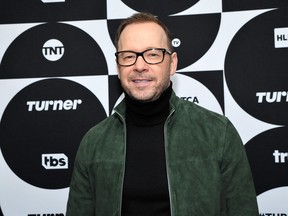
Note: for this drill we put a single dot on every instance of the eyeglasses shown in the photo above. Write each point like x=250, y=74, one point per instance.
x=151, y=56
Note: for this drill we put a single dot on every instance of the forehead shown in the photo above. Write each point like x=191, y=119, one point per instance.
x=139, y=36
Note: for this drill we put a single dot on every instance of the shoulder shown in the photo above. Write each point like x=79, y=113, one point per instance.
x=193, y=117
x=102, y=128
x=196, y=113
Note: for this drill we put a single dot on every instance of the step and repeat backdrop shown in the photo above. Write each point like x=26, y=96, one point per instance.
x=58, y=78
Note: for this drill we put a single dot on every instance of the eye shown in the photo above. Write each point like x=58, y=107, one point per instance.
x=128, y=56
x=153, y=54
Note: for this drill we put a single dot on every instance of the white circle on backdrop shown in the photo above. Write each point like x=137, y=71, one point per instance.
x=273, y=201
x=53, y=50
x=187, y=87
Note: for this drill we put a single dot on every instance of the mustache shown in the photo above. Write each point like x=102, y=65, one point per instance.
x=141, y=76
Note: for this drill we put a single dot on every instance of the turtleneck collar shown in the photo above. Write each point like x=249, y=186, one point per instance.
x=148, y=113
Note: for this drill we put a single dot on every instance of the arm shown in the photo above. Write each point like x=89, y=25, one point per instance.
x=237, y=179
x=80, y=201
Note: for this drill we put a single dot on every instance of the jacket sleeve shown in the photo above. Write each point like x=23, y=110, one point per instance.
x=238, y=184
x=80, y=200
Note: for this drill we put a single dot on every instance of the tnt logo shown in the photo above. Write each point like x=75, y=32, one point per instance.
x=53, y=50
x=55, y=161
x=281, y=37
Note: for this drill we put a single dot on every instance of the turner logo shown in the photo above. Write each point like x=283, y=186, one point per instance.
x=55, y=161
x=53, y=50
x=280, y=157
x=281, y=37
x=50, y=124
x=272, y=97
x=53, y=105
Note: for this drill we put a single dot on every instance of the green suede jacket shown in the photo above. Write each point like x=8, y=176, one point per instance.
x=208, y=171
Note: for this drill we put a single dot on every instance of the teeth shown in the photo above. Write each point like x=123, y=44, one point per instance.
x=140, y=81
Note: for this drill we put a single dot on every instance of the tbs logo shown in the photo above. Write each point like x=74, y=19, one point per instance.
x=55, y=161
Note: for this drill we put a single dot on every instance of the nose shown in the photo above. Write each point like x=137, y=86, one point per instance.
x=140, y=65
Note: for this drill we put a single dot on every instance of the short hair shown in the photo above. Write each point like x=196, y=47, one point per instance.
x=143, y=17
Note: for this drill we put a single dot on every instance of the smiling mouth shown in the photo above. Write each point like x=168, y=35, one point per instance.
x=141, y=81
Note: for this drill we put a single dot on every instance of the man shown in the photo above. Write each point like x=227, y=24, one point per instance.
x=158, y=154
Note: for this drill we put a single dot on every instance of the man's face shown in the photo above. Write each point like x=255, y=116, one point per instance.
x=142, y=81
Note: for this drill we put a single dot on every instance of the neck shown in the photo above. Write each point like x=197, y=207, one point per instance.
x=148, y=113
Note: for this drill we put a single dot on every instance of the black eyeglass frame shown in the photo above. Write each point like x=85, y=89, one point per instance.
x=141, y=54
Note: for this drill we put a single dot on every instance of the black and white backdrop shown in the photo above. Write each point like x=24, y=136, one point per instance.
x=58, y=78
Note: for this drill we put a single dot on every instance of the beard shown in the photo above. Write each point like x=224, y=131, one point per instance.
x=146, y=93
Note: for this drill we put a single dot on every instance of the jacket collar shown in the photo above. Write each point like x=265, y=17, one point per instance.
x=120, y=109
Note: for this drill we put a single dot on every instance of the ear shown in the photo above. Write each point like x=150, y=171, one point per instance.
x=118, y=69
x=173, y=63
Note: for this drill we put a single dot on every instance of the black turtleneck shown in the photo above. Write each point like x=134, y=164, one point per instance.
x=145, y=190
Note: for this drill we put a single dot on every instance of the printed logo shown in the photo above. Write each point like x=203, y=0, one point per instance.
x=52, y=1
x=176, y=42
x=268, y=157
x=73, y=59
x=191, y=99
x=53, y=105
x=53, y=214
x=272, y=97
x=190, y=89
x=280, y=157
x=281, y=37
x=47, y=133
x=207, y=26
x=53, y=50
x=273, y=214
x=273, y=202
x=192, y=45
x=55, y=161
x=258, y=82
